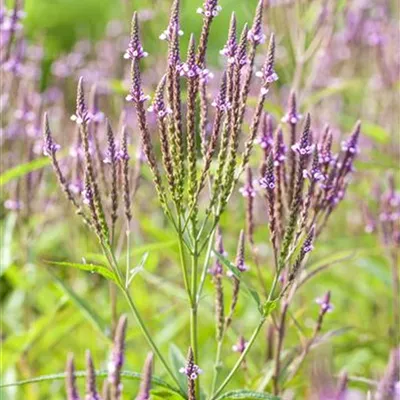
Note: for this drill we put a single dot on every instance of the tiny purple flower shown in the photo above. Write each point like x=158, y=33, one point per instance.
x=248, y=190
x=268, y=181
x=192, y=371
x=135, y=50
x=167, y=34
x=50, y=147
x=210, y=9
x=137, y=98
x=13, y=205
x=240, y=346
x=256, y=36
x=291, y=118
x=87, y=195
x=325, y=303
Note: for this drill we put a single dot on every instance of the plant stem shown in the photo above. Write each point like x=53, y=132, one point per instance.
x=147, y=335
x=205, y=267
x=183, y=266
x=193, y=315
x=281, y=335
x=120, y=282
x=216, y=366
x=240, y=360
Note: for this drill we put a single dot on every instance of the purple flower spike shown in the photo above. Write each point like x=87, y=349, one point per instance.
x=145, y=385
x=72, y=391
x=82, y=115
x=280, y=151
x=210, y=9
x=308, y=243
x=241, y=58
x=91, y=391
x=351, y=146
x=221, y=103
x=117, y=358
x=325, y=303
x=49, y=147
x=268, y=74
x=304, y=147
x=239, y=262
x=190, y=69
x=173, y=23
x=135, y=48
x=217, y=269
x=136, y=94
x=158, y=107
x=191, y=370
x=266, y=139
x=268, y=181
x=240, y=346
x=229, y=50
x=315, y=174
x=292, y=116
x=255, y=34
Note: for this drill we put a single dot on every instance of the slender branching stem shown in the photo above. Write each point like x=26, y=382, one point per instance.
x=240, y=359
x=125, y=291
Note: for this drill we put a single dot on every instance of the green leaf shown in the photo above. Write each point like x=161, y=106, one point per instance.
x=375, y=132
x=23, y=169
x=164, y=394
x=178, y=361
x=82, y=305
x=247, y=395
x=318, y=96
x=235, y=271
x=98, y=269
x=128, y=375
x=268, y=307
x=139, y=268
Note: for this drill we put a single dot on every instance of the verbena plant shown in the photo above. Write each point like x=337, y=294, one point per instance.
x=194, y=178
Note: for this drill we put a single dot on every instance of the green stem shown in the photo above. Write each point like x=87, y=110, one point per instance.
x=205, y=267
x=184, y=267
x=120, y=282
x=193, y=316
x=240, y=360
x=273, y=287
x=216, y=366
x=147, y=335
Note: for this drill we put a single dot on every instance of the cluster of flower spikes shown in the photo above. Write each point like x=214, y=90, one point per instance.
x=112, y=387
x=185, y=176
x=303, y=183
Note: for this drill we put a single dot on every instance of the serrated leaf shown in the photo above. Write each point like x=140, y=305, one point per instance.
x=93, y=268
x=247, y=395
